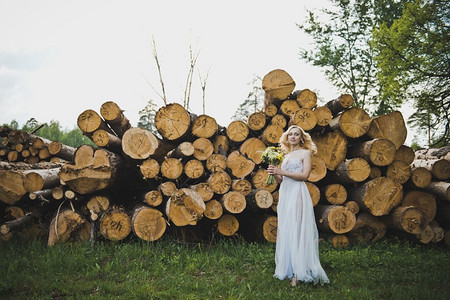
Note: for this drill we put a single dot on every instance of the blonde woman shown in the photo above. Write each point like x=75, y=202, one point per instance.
x=297, y=246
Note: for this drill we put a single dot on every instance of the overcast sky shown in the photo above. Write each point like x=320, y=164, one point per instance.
x=59, y=58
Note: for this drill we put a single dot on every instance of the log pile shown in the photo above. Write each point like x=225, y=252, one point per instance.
x=201, y=178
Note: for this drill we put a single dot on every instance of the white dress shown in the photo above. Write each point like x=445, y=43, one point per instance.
x=297, y=246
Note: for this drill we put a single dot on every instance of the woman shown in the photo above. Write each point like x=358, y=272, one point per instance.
x=297, y=246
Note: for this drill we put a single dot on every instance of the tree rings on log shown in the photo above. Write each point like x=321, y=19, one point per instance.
x=203, y=148
x=323, y=116
x=278, y=84
x=314, y=191
x=423, y=200
x=305, y=118
x=331, y=148
x=139, y=143
x=194, y=169
x=242, y=186
x=334, y=218
x=257, y=121
x=339, y=104
x=279, y=120
x=148, y=223
x=233, y=202
x=306, y=98
x=391, y=127
x=149, y=168
x=440, y=188
x=252, y=148
x=216, y=163
x=352, y=171
x=171, y=168
x=353, y=206
x=89, y=121
x=167, y=188
x=407, y=218
x=220, y=182
x=239, y=165
x=107, y=140
x=318, y=169
x=36, y=180
x=213, y=210
x=204, y=190
x=68, y=226
x=221, y=144
x=227, y=224
x=405, y=154
x=204, y=126
x=115, y=118
x=153, y=198
x=183, y=150
x=259, y=180
x=185, y=207
x=334, y=193
x=115, y=224
x=272, y=134
x=237, y=131
x=270, y=110
x=368, y=228
x=379, y=152
x=399, y=171
x=172, y=121
x=439, y=168
x=260, y=199
x=420, y=177
x=353, y=123
x=289, y=107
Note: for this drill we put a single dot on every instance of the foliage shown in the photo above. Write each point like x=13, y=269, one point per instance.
x=341, y=38
x=414, y=63
x=254, y=101
x=226, y=268
x=147, y=117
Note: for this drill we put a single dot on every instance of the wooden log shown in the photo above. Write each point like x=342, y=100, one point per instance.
x=279, y=120
x=13, y=156
x=439, y=188
x=107, y=140
x=139, y=143
x=272, y=134
x=278, y=84
x=44, y=154
x=289, y=107
x=422, y=200
x=306, y=98
x=58, y=149
x=241, y=185
x=183, y=150
x=227, y=225
x=318, y=169
x=252, y=148
x=391, y=127
x=148, y=223
x=256, y=121
x=331, y=148
x=334, y=218
x=220, y=182
x=203, y=148
x=378, y=196
x=447, y=238
x=426, y=236
x=194, y=169
x=173, y=122
x=353, y=122
x=216, y=163
x=406, y=218
x=433, y=153
x=399, y=171
x=323, y=116
x=353, y=206
x=185, y=207
x=439, y=168
x=334, y=193
x=420, y=177
x=41, y=195
x=115, y=118
x=17, y=224
x=221, y=144
x=96, y=205
x=259, y=199
x=115, y=224
x=237, y=131
x=233, y=202
x=67, y=226
x=405, y=154
x=89, y=121
x=11, y=186
x=204, y=126
x=239, y=165
x=259, y=227
x=368, y=228
x=437, y=230
x=92, y=171
x=305, y=118
x=259, y=180
x=153, y=198
x=276, y=197
x=379, y=152
x=374, y=172
x=314, y=192
x=36, y=180
x=213, y=210
x=339, y=104
x=58, y=192
x=149, y=168
x=204, y=190
x=167, y=188
x=270, y=110
x=351, y=171
x=171, y=168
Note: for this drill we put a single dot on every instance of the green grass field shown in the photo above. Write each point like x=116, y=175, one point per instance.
x=226, y=269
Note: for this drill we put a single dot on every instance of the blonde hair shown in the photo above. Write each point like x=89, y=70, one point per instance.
x=305, y=140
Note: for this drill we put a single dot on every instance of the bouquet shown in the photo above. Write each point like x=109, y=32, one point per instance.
x=272, y=156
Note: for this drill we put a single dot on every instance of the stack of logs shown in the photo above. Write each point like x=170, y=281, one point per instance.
x=201, y=178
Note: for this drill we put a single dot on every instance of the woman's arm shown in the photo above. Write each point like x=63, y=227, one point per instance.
x=302, y=176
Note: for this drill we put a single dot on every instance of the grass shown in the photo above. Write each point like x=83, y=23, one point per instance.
x=227, y=269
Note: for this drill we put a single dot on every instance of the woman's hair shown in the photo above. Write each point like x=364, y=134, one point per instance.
x=305, y=140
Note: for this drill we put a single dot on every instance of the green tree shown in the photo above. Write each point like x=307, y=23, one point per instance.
x=147, y=117
x=254, y=101
x=413, y=56
x=341, y=38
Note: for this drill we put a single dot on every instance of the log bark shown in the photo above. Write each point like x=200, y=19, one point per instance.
x=378, y=196
x=334, y=218
x=433, y=153
x=331, y=148
x=239, y=165
x=339, y=104
x=36, y=180
x=17, y=224
x=379, y=152
x=183, y=150
x=305, y=118
x=353, y=122
x=185, y=207
x=107, y=140
x=115, y=118
x=278, y=84
x=115, y=224
x=391, y=127
x=60, y=150
x=204, y=126
x=148, y=223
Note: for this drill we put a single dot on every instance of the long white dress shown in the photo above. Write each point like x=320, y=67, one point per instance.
x=297, y=245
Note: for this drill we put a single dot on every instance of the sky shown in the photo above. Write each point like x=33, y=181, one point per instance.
x=59, y=58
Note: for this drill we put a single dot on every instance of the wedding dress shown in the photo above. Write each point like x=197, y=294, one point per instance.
x=297, y=245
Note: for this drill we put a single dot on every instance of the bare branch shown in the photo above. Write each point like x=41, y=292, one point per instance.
x=203, y=85
x=155, y=56
x=187, y=92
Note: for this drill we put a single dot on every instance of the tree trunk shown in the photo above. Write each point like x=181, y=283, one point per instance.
x=331, y=148
x=194, y=169
x=204, y=127
x=17, y=224
x=115, y=118
x=148, y=223
x=153, y=198
x=204, y=190
x=237, y=131
x=220, y=182
x=339, y=104
x=89, y=121
x=183, y=150
x=278, y=84
x=167, y=188
x=260, y=199
x=242, y=186
x=318, y=169
x=60, y=150
x=422, y=200
x=352, y=123
x=270, y=110
x=203, y=148
x=271, y=135
x=107, y=140
x=279, y=120
x=405, y=154
x=433, y=153
x=138, y=143
x=289, y=107
x=216, y=163
x=221, y=144
x=378, y=196
x=353, y=206
x=259, y=180
x=314, y=192
x=440, y=189
x=115, y=224
x=391, y=127
x=36, y=180
x=334, y=218
x=323, y=116
x=257, y=121
x=379, y=152
x=149, y=168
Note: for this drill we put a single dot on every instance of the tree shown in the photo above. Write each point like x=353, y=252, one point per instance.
x=147, y=117
x=342, y=47
x=413, y=58
x=254, y=101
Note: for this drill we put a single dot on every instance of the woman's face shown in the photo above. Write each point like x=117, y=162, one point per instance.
x=294, y=136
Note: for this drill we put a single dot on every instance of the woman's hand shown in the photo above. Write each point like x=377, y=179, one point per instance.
x=273, y=170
